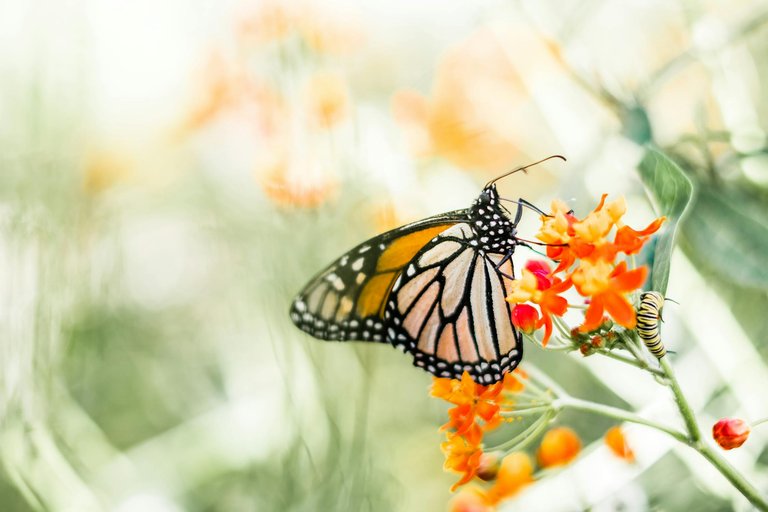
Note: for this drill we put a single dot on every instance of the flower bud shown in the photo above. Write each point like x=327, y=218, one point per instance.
x=515, y=472
x=730, y=433
x=489, y=465
x=597, y=341
x=616, y=441
x=524, y=317
x=559, y=446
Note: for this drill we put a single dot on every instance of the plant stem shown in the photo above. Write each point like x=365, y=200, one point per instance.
x=696, y=442
x=634, y=362
x=682, y=403
x=733, y=476
x=619, y=414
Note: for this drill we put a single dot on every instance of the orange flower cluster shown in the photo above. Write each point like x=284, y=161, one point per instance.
x=586, y=251
x=559, y=446
x=476, y=411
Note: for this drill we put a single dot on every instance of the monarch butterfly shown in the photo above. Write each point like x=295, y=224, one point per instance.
x=648, y=315
x=434, y=288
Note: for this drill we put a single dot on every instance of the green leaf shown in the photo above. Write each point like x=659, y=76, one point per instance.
x=727, y=233
x=672, y=191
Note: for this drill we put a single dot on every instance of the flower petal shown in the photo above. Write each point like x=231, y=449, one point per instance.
x=620, y=309
x=593, y=317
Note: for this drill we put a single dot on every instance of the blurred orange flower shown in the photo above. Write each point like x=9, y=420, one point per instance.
x=322, y=31
x=474, y=114
x=616, y=441
x=515, y=472
x=327, y=97
x=470, y=499
x=559, y=446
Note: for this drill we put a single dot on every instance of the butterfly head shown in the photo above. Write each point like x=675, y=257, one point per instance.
x=490, y=222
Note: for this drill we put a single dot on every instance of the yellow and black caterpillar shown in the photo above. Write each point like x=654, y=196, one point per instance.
x=648, y=316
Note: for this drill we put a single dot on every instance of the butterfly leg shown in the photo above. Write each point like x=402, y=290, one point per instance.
x=507, y=257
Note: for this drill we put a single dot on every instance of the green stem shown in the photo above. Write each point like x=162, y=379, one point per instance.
x=682, y=402
x=695, y=441
x=634, y=362
x=526, y=411
x=619, y=414
x=526, y=436
x=733, y=476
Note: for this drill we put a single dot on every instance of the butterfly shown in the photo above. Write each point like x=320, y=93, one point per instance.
x=435, y=288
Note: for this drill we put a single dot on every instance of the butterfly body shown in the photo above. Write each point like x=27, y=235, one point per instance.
x=434, y=288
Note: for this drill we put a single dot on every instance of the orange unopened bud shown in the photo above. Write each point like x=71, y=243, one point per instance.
x=524, y=317
x=616, y=441
x=559, y=446
x=730, y=433
x=515, y=472
x=597, y=341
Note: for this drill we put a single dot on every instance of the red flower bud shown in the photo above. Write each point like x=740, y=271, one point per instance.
x=730, y=433
x=597, y=341
x=524, y=317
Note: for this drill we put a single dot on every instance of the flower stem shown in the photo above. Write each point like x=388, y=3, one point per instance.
x=634, y=362
x=526, y=436
x=733, y=476
x=619, y=414
x=682, y=402
x=697, y=443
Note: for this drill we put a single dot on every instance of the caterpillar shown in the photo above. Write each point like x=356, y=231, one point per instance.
x=648, y=316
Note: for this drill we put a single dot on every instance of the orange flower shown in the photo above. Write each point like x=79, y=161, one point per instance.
x=630, y=241
x=471, y=400
x=559, y=446
x=328, y=98
x=616, y=441
x=607, y=287
x=515, y=472
x=470, y=500
x=730, y=433
x=557, y=230
x=463, y=453
x=477, y=94
x=589, y=238
x=536, y=287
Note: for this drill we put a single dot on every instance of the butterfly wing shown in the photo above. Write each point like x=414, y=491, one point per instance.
x=346, y=300
x=447, y=308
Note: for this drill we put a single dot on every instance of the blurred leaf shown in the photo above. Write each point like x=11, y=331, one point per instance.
x=635, y=124
x=729, y=232
x=672, y=190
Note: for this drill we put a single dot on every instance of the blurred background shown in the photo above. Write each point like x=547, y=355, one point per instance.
x=171, y=174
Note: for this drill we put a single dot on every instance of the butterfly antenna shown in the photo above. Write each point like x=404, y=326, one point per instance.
x=540, y=243
x=524, y=168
